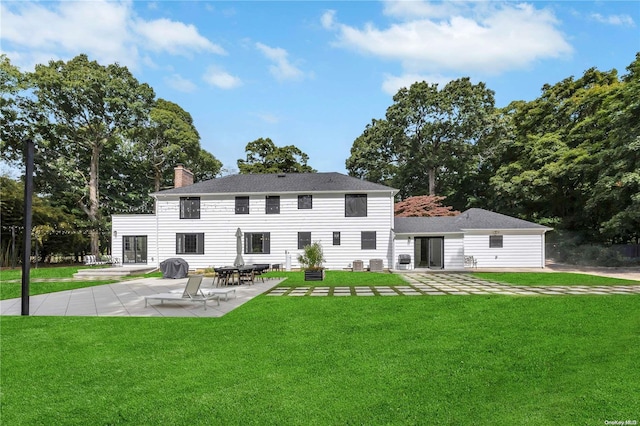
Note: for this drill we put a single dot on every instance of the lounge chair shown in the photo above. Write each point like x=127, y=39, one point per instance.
x=191, y=293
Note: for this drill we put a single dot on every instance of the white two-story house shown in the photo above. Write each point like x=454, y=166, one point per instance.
x=278, y=214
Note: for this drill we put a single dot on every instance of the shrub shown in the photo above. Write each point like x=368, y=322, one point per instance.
x=312, y=257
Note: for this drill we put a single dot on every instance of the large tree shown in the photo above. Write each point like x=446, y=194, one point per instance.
x=263, y=156
x=84, y=108
x=427, y=140
x=373, y=157
x=574, y=158
x=169, y=138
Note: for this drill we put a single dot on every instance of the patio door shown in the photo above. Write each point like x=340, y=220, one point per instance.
x=429, y=252
x=134, y=249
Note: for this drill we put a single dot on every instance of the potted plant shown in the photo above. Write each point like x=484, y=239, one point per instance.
x=311, y=261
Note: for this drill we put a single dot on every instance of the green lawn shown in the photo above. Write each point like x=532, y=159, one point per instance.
x=339, y=278
x=14, y=289
x=42, y=273
x=550, y=278
x=277, y=360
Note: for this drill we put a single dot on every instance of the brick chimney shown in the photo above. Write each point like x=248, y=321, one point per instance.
x=183, y=177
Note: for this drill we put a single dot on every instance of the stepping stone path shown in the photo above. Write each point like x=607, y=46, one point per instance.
x=438, y=284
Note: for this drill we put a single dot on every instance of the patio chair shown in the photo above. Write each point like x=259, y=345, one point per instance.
x=223, y=276
x=259, y=269
x=470, y=261
x=245, y=275
x=191, y=293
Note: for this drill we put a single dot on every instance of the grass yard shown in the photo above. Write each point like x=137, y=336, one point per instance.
x=277, y=360
x=11, y=284
x=339, y=278
x=13, y=290
x=551, y=279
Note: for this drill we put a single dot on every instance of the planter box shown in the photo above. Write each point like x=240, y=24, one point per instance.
x=314, y=275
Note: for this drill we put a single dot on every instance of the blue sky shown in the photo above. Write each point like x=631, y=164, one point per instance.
x=313, y=74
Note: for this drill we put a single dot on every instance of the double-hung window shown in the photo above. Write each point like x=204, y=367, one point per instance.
x=305, y=202
x=257, y=243
x=368, y=240
x=242, y=205
x=272, y=204
x=189, y=207
x=190, y=243
x=355, y=205
x=304, y=239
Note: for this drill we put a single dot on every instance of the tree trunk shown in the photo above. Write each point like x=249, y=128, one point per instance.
x=157, y=178
x=432, y=180
x=94, y=198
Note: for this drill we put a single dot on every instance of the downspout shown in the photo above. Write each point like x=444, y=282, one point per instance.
x=157, y=233
x=543, y=249
x=391, y=262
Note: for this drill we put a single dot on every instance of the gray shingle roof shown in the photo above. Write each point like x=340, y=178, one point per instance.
x=278, y=183
x=470, y=219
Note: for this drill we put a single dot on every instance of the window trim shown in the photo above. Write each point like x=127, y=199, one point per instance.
x=496, y=241
x=248, y=243
x=181, y=245
x=193, y=214
x=274, y=206
x=303, y=241
x=364, y=240
x=349, y=212
x=305, y=202
x=240, y=208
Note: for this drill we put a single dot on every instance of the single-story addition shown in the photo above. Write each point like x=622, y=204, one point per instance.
x=278, y=214
x=488, y=239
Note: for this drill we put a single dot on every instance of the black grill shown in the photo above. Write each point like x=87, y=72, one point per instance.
x=404, y=259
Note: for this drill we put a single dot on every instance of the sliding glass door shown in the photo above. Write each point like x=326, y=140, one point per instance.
x=429, y=252
x=134, y=249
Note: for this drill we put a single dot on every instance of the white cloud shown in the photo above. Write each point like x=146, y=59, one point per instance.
x=221, y=79
x=474, y=37
x=98, y=27
x=108, y=31
x=393, y=83
x=174, y=37
x=180, y=83
x=281, y=69
x=328, y=19
x=622, y=20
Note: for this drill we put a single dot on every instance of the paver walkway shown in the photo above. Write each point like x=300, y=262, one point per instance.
x=435, y=284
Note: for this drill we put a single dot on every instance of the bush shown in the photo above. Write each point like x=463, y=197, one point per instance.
x=312, y=257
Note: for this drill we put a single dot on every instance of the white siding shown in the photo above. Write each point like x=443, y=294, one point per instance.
x=520, y=249
x=454, y=252
x=219, y=223
x=134, y=225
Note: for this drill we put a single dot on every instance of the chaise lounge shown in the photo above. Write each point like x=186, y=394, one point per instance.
x=192, y=293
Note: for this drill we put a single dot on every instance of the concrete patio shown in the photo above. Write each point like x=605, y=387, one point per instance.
x=127, y=298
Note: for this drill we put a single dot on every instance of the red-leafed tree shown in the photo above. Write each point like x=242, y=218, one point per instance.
x=423, y=205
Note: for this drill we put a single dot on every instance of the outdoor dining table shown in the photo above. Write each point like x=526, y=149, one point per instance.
x=233, y=275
